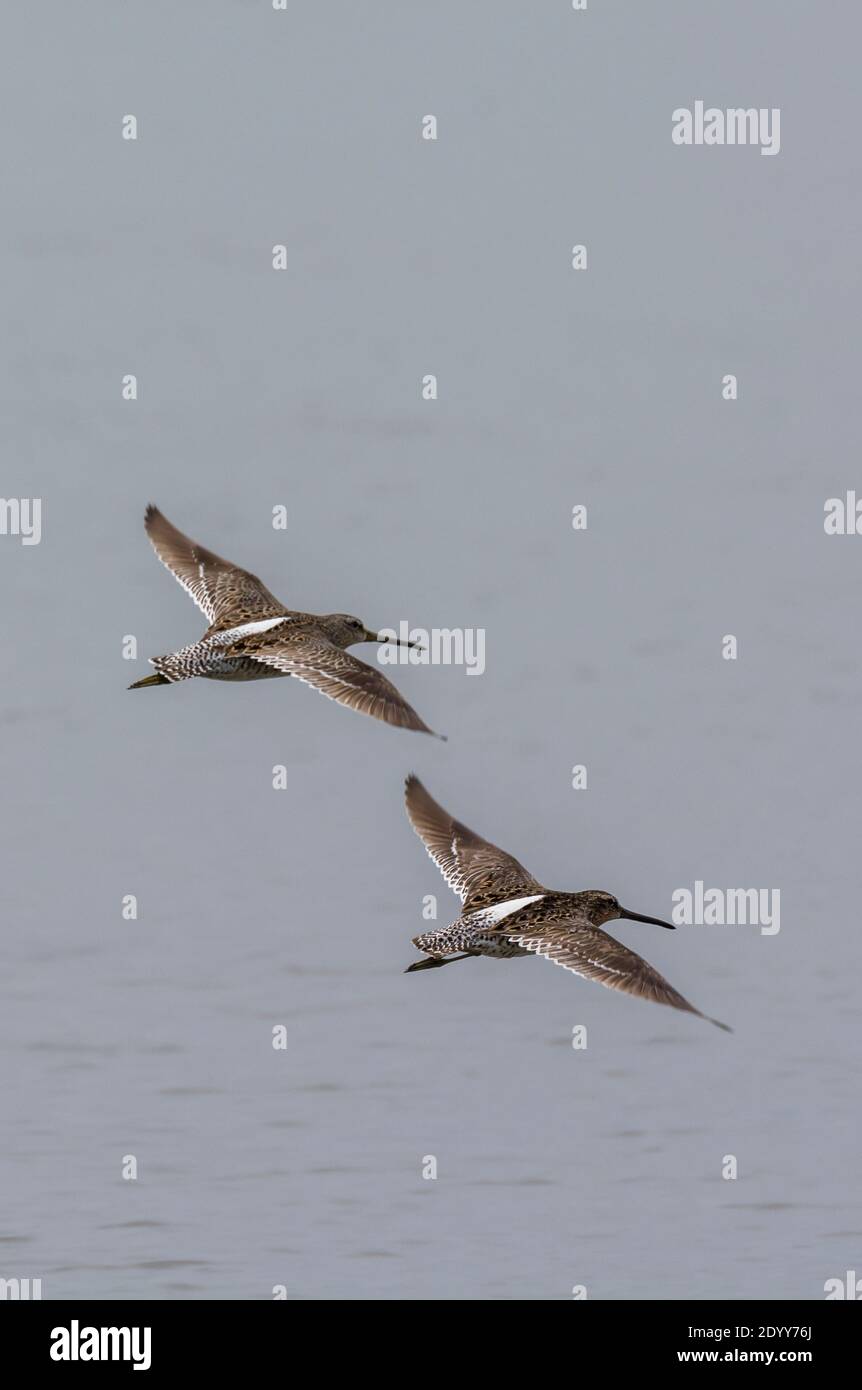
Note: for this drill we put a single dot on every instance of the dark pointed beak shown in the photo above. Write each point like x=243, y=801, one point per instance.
x=395, y=641
x=639, y=917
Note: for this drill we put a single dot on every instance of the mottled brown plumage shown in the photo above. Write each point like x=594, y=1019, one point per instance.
x=509, y=913
x=226, y=595
x=253, y=637
x=476, y=870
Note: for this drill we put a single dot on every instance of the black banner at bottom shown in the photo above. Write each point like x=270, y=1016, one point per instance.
x=216, y=1339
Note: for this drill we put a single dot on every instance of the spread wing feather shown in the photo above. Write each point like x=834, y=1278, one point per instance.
x=338, y=675
x=590, y=952
x=225, y=594
x=476, y=870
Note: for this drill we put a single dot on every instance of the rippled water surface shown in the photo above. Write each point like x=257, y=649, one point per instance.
x=257, y=908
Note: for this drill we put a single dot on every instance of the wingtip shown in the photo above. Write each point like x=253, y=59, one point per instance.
x=411, y=784
x=421, y=727
x=725, y=1027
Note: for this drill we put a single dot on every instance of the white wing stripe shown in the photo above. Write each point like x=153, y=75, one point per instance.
x=498, y=912
x=244, y=630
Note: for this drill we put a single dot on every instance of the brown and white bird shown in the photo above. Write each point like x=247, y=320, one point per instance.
x=509, y=913
x=251, y=636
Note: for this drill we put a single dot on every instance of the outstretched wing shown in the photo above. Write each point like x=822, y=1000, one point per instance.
x=226, y=595
x=340, y=676
x=476, y=870
x=588, y=951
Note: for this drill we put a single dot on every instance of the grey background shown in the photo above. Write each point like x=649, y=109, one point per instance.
x=256, y=907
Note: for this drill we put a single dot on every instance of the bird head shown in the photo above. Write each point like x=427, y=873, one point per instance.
x=601, y=907
x=346, y=631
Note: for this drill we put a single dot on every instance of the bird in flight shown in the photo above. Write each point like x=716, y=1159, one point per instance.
x=251, y=636
x=507, y=912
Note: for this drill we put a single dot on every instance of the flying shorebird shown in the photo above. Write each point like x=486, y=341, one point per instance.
x=508, y=913
x=252, y=636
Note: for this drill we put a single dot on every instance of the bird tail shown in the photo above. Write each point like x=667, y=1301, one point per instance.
x=150, y=680
x=157, y=679
x=432, y=962
x=176, y=666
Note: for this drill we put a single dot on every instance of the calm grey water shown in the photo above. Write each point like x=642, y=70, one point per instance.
x=257, y=907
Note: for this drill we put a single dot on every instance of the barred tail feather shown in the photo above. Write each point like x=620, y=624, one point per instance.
x=157, y=679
